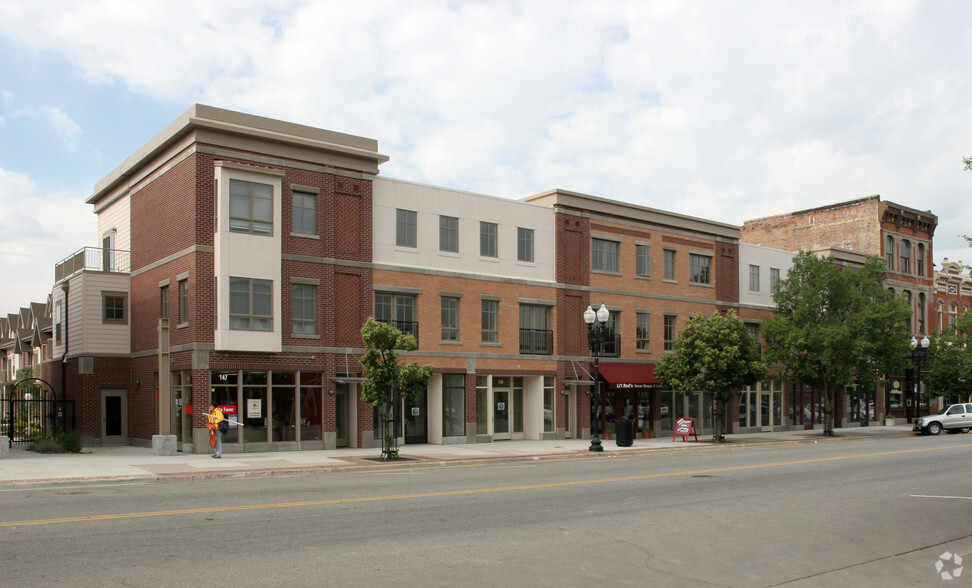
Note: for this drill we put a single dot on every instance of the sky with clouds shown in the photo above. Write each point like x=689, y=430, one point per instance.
x=726, y=110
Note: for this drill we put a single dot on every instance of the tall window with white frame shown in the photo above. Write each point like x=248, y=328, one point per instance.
x=920, y=260
x=448, y=234
x=406, y=228
x=490, y=320
x=642, y=332
x=753, y=278
x=251, y=304
x=889, y=253
x=488, y=239
x=305, y=213
x=669, y=332
x=642, y=260
x=450, y=318
x=774, y=279
x=524, y=244
x=305, y=309
x=604, y=255
x=700, y=267
x=905, y=266
x=164, y=301
x=669, y=264
x=251, y=207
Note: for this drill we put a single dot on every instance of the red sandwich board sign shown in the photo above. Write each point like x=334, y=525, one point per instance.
x=684, y=428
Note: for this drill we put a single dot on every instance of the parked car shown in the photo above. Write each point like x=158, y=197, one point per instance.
x=955, y=418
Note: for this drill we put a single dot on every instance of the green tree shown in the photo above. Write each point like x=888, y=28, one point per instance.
x=948, y=370
x=390, y=380
x=717, y=356
x=836, y=326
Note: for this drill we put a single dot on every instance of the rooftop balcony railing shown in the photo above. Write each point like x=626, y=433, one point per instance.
x=93, y=259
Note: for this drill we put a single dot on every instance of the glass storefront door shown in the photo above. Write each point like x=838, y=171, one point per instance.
x=416, y=420
x=501, y=414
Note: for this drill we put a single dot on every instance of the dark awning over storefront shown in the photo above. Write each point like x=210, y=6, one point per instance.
x=630, y=376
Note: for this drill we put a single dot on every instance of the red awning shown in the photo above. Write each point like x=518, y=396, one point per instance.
x=629, y=376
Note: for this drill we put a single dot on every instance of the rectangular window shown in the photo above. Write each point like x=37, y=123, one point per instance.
x=482, y=404
x=183, y=302
x=754, y=278
x=774, y=279
x=453, y=405
x=305, y=213
x=604, y=255
x=398, y=311
x=251, y=304
x=670, y=332
x=490, y=321
x=642, y=261
x=450, y=318
x=406, y=227
x=164, y=301
x=305, y=309
x=753, y=330
x=642, y=332
x=524, y=244
x=449, y=234
x=488, y=239
x=251, y=207
x=536, y=336
x=113, y=307
x=58, y=321
x=700, y=269
x=670, y=264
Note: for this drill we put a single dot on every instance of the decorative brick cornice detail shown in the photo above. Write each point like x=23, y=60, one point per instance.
x=621, y=231
x=346, y=186
x=680, y=241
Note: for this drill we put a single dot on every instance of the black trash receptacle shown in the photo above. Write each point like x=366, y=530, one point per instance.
x=624, y=431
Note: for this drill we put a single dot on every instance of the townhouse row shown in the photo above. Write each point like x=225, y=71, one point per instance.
x=239, y=257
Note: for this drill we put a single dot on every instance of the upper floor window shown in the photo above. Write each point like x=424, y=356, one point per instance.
x=642, y=261
x=642, y=332
x=889, y=253
x=700, y=266
x=397, y=310
x=449, y=234
x=752, y=329
x=58, y=318
x=113, y=305
x=251, y=207
x=488, y=239
x=524, y=244
x=305, y=213
x=183, y=302
x=920, y=260
x=164, y=301
x=490, y=313
x=450, y=318
x=536, y=335
x=604, y=255
x=670, y=264
x=754, y=278
x=251, y=304
x=669, y=332
x=920, y=315
x=406, y=227
x=305, y=309
x=905, y=266
x=952, y=313
x=774, y=279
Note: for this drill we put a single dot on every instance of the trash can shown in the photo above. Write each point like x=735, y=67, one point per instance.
x=624, y=431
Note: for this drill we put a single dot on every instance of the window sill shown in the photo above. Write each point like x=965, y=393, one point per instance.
x=450, y=342
x=305, y=336
x=305, y=236
x=491, y=344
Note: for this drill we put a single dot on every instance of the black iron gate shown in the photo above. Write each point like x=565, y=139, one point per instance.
x=33, y=411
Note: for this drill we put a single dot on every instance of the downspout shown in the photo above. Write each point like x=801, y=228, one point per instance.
x=64, y=288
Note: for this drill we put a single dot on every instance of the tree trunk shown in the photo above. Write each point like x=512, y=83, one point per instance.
x=828, y=412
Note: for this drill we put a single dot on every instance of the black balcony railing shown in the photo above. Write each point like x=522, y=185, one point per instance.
x=611, y=346
x=410, y=327
x=536, y=342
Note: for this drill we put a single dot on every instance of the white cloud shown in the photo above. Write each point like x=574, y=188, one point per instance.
x=38, y=231
x=725, y=110
x=65, y=128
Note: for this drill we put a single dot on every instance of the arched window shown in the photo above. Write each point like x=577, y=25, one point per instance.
x=940, y=310
x=905, y=265
x=920, y=260
x=952, y=313
x=889, y=253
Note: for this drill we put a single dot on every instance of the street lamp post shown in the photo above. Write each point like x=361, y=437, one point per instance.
x=919, y=352
x=596, y=329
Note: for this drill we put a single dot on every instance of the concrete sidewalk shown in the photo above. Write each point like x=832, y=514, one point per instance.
x=21, y=468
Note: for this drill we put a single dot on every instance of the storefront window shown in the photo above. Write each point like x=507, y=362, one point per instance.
x=548, y=404
x=223, y=393
x=311, y=407
x=517, y=405
x=482, y=404
x=254, y=408
x=283, y=409
x=453, y=405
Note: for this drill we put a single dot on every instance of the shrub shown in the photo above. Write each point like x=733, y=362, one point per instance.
x=69, y=442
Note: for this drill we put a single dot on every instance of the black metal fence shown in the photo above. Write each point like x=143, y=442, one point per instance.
x=32, y=411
